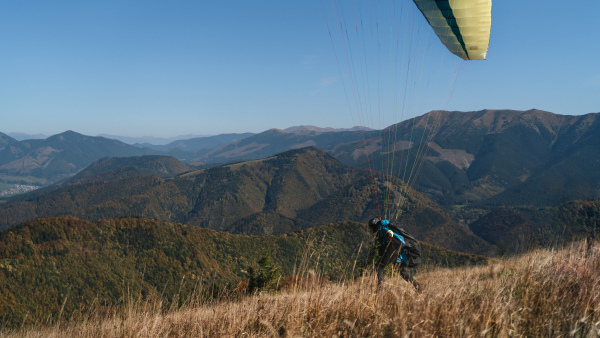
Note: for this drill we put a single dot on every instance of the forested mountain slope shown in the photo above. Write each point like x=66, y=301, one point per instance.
x=490, y=157
x=288, y=192
x=60, y=155
x=69, y=266
x=487, y=157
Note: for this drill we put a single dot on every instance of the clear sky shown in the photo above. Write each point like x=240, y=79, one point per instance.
x=167, y=68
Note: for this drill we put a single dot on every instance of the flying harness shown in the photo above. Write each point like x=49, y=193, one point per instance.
x=411, y=250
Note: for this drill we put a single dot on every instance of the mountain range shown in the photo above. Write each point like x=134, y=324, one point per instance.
x=295, y=190
x=49, y=160
x=115, y=218
x=58, y=156
x=470, y=165
x=493, y=157
x=488, y=157
x=195, y=145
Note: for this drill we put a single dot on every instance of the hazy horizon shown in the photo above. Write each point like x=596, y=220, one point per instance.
x=207, y=68
x=146, y=138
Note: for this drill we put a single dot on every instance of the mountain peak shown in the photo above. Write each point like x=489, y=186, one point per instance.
x=68, y=135
x=306, y=129
x=275, y=131
x=6, y=140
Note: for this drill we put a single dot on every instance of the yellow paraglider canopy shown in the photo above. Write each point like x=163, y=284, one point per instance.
x=463, y=26
x=389, y=73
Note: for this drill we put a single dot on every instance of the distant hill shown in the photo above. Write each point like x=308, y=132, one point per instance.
x=570, y=170
x=294, y=190
x=487, y=158
x=60, y=155
x=142, y=141
x=192, y=146
x=472, y=163
x=25, y=136
x=468, y=157
x=6, y=140
x=317, y=130
x=276, y=141
x=65, y=265
x=113, y=168
x=51, y=161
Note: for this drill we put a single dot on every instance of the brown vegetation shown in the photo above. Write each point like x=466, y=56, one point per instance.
x=543, y=293
x=67, y=265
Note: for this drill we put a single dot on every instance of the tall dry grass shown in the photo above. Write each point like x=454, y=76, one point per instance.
x=543, y=293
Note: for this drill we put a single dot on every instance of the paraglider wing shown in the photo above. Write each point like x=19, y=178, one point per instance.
x=463, y=26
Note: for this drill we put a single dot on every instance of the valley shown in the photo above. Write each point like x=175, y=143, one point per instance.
x=112, y=217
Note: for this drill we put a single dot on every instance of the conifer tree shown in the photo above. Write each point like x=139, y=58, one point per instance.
x=265, y=277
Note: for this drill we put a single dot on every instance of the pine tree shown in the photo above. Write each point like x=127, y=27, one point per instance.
x=266, y=277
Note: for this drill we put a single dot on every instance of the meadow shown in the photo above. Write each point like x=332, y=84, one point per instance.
x=546, y=292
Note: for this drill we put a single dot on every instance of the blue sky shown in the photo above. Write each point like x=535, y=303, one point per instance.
x=167, y=68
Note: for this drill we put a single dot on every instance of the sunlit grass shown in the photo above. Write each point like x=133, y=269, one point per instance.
x=542, y=293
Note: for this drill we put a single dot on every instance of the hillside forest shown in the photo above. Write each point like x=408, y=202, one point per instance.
x=98, y=223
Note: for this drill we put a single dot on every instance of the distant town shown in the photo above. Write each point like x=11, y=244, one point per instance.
x=18, y=189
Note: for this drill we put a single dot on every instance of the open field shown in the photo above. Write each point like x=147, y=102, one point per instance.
x=542, y=293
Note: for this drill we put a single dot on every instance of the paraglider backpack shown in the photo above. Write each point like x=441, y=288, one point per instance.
x=411, y=246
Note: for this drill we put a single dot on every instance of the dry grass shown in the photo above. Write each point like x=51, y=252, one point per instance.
x=543, y=293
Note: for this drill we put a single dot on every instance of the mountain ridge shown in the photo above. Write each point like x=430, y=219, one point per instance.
x=474, y=133
x=489, y=150
x=476, y=162
x=292, y=191
x=60, y=155
x=308, y=129
x=6, y=140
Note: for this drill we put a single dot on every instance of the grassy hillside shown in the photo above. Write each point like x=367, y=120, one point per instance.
x=546, y=293
x=66, y=265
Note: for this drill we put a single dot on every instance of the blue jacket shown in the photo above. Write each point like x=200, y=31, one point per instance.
x=384, y=237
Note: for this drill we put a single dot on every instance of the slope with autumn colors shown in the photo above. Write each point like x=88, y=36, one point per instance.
x=67, y=266
x=292, y=191
x=476, y=164
x=492, y=157
x=488, y=157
